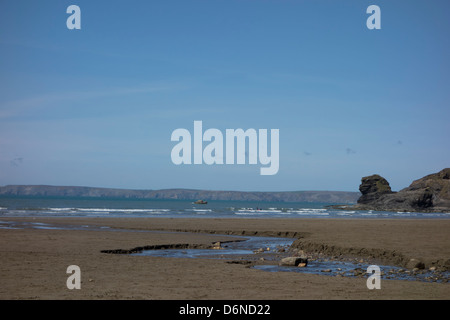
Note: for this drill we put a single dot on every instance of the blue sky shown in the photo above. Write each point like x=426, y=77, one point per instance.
x=97, y=106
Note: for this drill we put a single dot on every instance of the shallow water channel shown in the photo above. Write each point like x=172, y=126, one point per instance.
x=264, y=253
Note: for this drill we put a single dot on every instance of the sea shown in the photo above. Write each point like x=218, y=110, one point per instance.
x=25, y=206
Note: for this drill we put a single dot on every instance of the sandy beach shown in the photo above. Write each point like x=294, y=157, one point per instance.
x=33, y=262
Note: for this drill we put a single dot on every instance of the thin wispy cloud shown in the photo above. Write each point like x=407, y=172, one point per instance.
x=22, y=106
x=48, y=46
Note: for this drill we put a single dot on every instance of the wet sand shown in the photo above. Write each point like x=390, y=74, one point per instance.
x=33, y=262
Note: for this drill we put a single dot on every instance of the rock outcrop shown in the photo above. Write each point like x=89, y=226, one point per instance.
x=428, y=194
x=372, y=188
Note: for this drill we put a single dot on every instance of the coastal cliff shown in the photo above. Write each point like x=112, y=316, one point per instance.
x=180, y=194
x=428, y=194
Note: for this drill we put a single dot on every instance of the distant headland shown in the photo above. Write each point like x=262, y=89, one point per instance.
x=341, y=197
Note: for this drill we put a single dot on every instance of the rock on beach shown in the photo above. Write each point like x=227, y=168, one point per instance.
x=294, y=261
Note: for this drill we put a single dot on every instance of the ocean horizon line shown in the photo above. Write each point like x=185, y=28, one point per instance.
x=173, y=188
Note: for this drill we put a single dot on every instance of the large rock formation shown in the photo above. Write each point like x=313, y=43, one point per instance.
x=372, y=188
x=428, y=194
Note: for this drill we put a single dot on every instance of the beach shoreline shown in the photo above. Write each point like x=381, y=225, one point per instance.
x=34, y=260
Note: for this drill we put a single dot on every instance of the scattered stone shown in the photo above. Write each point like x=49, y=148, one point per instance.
x=358, y=272
x=293, y=261
x=245, y=262
x=325, y=270
x=217, y=246
x=414, y=263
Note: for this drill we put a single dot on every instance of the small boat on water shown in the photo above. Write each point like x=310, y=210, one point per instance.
x=200, y=202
